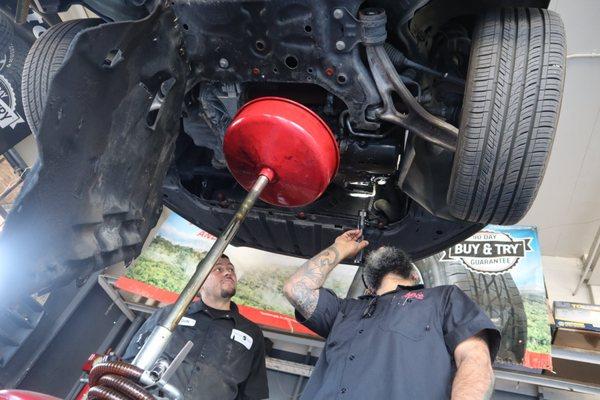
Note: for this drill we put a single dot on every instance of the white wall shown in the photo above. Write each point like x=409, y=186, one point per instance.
x=27, y=149
x=561, y=276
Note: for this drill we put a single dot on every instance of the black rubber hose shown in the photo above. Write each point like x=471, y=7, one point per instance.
x=400, y=61
x=396, y=56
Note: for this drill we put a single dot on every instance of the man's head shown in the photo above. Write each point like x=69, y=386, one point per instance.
x=221, y=282
x=383, y=261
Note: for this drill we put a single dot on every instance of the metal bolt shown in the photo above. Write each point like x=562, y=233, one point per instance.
x=223, y=63
x=340, y=45
x=373, y=11
x=338, y=13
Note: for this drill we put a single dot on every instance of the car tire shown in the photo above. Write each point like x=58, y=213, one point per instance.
x=497, y=295
x=43, y=61
x=510, y=112
x=6, y=32
x=13, y=50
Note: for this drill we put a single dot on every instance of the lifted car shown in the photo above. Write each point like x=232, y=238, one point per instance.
x=444, y=112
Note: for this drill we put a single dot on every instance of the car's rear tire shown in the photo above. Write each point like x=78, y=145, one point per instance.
x=509, y=116
x=13, y=50
x=6, y=32
x=497, y=295
x=45, y=58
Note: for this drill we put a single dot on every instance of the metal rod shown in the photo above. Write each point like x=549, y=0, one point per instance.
x=53, y=331
x=298, y=386
x=545, y=381
x=417, y=120
x=357, y=287
x=22, y=11
x=590, y=261
x=159, y=338
x=128, y=335
x=11, y=188
x=583, y=55
x=115, y=297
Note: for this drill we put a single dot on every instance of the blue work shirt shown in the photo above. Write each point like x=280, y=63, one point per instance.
x=227, y=361
x=399, y=345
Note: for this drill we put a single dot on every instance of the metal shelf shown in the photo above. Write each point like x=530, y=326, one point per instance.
x=570, y=353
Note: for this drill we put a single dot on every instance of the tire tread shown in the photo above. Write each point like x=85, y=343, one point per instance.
x=45, y=58
x=510, y=113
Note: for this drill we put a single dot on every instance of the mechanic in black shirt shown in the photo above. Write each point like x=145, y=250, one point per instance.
x=227, y=360
x=401, y=342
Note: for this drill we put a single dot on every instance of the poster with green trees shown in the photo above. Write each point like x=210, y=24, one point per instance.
x=172, y=256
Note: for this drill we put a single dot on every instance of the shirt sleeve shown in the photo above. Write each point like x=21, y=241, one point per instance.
x=256, y=387
x=463, y=318
x=322, y=319
x=141, y=335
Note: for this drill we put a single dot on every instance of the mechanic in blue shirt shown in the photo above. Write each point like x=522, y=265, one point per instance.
x=402, y=342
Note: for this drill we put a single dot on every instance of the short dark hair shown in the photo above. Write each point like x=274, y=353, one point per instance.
x=383, y=261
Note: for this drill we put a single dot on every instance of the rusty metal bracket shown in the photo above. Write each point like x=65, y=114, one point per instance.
x=417, y=120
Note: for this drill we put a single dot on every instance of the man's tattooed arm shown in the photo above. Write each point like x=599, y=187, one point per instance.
x=302, y=289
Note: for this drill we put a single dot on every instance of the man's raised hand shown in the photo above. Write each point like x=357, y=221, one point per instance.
x=350, y=243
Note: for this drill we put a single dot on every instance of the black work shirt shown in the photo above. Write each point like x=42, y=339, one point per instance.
x=399, y=345
x=227, y=360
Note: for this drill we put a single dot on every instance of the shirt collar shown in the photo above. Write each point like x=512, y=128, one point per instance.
x=398, y=288
x=199, y=305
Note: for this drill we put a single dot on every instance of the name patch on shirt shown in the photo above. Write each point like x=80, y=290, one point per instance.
x=185, y=321
x=242, y=338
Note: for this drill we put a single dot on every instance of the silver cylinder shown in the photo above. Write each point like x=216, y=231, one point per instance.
x=152, y=348
x=158, y=340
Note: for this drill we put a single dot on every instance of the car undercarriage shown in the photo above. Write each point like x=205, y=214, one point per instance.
x=135, y=118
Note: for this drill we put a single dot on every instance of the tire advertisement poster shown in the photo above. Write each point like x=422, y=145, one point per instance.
x=499, y=268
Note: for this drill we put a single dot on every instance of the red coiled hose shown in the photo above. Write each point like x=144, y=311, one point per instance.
x=116, y=380
x=114, y=368
x=125, y=386
x=102, y=393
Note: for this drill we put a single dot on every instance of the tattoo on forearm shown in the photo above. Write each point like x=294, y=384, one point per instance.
x=305, y=283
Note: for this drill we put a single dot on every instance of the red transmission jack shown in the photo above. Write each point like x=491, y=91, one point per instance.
x=277, y=149
x=289, y=139
x=24, y=395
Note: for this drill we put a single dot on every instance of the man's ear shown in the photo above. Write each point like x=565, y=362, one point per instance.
x=415, y=277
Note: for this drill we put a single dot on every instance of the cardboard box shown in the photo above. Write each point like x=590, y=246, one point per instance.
x=578, y=339
x=577, y=316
